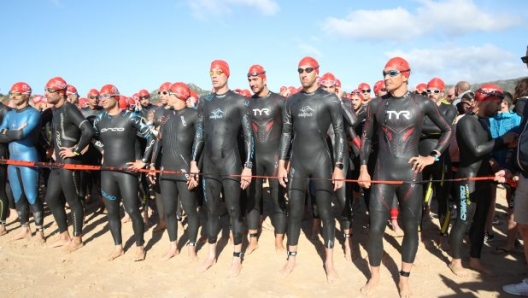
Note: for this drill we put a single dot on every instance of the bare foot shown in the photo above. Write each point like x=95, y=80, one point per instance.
x=236, y=267
x=253, y=245
x=3, y=230
x=39, y=237
x=191, y=252
x=173, y=251
x=288, y=268
x=279, y=248
x=475, y=264
x=458, y=270
x=405, y=290
x=25, y=233
x=371, y=285
x=60, y=242
x=73, y=246
x=118, y=251
x=348, y=253
x=331, y=275
x=140, y=254
x=125, y=218
x=206, y=265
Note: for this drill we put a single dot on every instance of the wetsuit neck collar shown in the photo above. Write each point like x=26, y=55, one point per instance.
x=23, y=108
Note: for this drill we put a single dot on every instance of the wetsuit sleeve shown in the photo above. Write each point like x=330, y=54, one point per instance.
x=351, y=119
x=143, y=131
x=87, y=131
x=336, y=112
x=156, y=148
x=446, y=133
x=198, y=143
x=368, y=132
x=95, y=141
x=248, y=135
x=287, y=130
x=470, y=141
x=7, y=136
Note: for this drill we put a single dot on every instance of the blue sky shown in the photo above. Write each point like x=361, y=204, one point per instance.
x=137, y=44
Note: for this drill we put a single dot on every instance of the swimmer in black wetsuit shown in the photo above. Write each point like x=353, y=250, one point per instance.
x=117, y=132
x=265, y=108
x=175, y=138
x=398, y=118
x=71, y=134
x=4, y=202
x=20, y=128
x=475, y=143
x=306, y=119
x=221, y=115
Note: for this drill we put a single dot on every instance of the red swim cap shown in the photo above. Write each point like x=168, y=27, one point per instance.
x=110, y=89
x=21, y=87
x=489, y=92
x=400, y=64
x=378, y=86
x=338, y=83
x=310, y=62
x=357, y=92
x=282, y=89
x=93, y=92
x=164, y=87
x=70, y=89
x=256, y=71
x=57, y=84
x=143, y=92
x=364, y=86
x=83, y=102
x=327, y=79
x=436, y=83
x=222, y=65
x=243, y=92
x=420, y=88
x=181, y=90
x=123, y=102
x=37, y=98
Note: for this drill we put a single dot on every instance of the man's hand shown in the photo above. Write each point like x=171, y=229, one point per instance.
x=245, y=178
x=135, y=165
x=337, y=178
x=152, y=174
x=282, y=173
x=66, y=152
x=194, y=175
x=364, y=177
x=420, y=162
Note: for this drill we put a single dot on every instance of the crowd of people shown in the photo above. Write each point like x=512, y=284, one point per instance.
x=316, y=148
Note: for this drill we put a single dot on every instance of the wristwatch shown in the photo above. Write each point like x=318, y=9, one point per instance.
x=435, y=155
x=340, y=166
x=248, y=165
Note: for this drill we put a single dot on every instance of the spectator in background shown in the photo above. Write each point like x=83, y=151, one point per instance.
x=461, y=88
x=365, y=89
x=450, y=95
x=520, y=97
x=72, y=95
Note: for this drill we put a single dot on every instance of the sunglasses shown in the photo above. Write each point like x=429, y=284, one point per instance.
x=215, y=72
x=327, y=83
x=254, y=74
x=355, y=93
x=106, y=95
x=162, y=92
x=366, y=91
x=173, y=93
x=144, y=97
x=16, y=93
x=394, y=72
x=435, y=91
x=492, y=93
x=307, y=69
x=92, y=97
x=49, y=90
x=524, y=59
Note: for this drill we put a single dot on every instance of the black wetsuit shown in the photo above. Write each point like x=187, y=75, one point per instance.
x=399, y=126
x=440, y=170
x=475, y=144
x=220, y=118
x=117, y=134
x=175, y=138
x=70, y=129
x=91, y=180
x=4, y=202
x=266, y=124
x=89, y=112
x=306, y=120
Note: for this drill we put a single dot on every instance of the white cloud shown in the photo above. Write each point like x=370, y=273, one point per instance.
x=309, y=50
x=451, y=17
x=201, y=8
x=474, y=64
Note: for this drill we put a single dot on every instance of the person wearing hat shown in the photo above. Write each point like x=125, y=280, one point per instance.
x=475, y=143
x=4, y=202
x=71, y=94
x=221, y=116
x=175, y=138
x=265, y=108
x=72, y=134
x=20, y=129
x=308, y=115
x=397, y=118
x=116, y=131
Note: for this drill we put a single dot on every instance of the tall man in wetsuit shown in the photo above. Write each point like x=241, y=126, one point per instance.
x=20, y=128
x=175, y=138
x=70, y=135
x=221, y=115
x=475, y=143
x=306, y=119
x=265, y=108
x=4, y=202
x=117, y=132
x=438, y=171
x=398, y=118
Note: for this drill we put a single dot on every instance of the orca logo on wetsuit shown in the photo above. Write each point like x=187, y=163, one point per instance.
x=258, y=112
x=405, y=114
x=306, y=111
x=112, y=129
x=217, y=114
